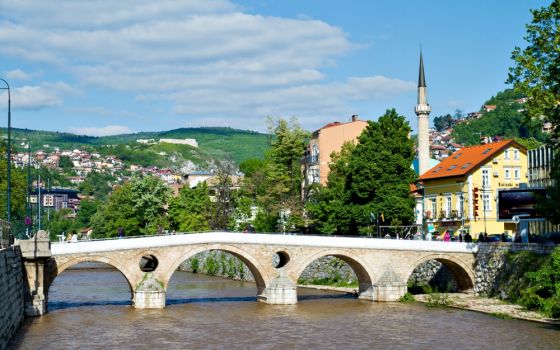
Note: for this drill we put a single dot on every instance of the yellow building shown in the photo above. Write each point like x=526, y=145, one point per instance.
x=460, y=193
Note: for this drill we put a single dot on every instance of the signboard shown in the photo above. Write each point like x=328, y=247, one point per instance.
x=519, y=202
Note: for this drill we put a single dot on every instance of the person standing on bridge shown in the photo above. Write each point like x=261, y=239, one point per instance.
x=120, y=232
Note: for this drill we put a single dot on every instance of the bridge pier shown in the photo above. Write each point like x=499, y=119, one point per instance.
x=36, y=253
x=390, y=286
x=281, y=291
x=149, y=294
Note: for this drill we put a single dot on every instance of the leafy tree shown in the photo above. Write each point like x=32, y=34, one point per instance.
x=328, y=206
x=274, y=185
x=138, y=207
x=97, y=185
x=223, y=196
x=60, y=223
x=443, y=122
x=372, y=177
x=18, y=198
x=65, y=163
x=379, y=173
x=250, y=166
x=190, y=211
x=536, y=74
x=87, y=210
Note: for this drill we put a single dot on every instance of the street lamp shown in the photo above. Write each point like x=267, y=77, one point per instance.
x=9, y=150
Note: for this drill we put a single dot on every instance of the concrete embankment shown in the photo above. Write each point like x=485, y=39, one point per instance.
x=11, y=292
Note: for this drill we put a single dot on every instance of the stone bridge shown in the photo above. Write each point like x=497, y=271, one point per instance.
x=382, y=266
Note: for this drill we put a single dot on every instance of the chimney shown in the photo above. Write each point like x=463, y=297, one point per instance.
x=355, y=117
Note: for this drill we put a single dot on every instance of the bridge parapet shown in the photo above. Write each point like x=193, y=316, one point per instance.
x=381, y=265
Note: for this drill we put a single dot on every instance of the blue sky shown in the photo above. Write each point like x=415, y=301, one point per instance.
x=107, y=67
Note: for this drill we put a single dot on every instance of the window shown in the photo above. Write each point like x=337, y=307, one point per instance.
x=516, y=173
x=460, y=204
x=485, y=178
x=448, y=206
x=507, y=173
x=486, y=202
x=433, y=207
x=515, y=154
x=506, y=154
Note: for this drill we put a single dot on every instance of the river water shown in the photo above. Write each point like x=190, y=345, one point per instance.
x=90, y=309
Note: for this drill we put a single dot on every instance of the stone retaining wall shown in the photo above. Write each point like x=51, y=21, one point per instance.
x=11, y=294
x=490, y=263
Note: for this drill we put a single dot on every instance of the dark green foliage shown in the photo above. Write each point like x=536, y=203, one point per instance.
x=96, y=185
x=137, y=206
x=443, y=122
x=191, y=210
x=65, y=163
x=211, y=266
x=506, y=121
x=407, y=298
x=543, y=293
x=195, y=264
x=373, y=177
x=535, y=74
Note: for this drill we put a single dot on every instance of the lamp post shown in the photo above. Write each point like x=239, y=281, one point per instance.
x=9, y=151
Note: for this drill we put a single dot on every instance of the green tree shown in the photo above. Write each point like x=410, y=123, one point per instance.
x=97, y=185
x=18, y=198
x=443, y=122
x=137, y=206
x=191, y=210
x=379, y=173
x=535, y=74
x=65, y=163
x=86, y=211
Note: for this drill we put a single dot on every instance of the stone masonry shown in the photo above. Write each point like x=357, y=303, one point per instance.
x=382, y=267
x=11, y=292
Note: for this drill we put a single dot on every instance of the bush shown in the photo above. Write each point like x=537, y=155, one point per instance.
x=195, y=265
x=407, y=298
x=543, y=293
x=438, y=300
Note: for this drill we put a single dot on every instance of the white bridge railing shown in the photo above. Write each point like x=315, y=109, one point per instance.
x=263, y=239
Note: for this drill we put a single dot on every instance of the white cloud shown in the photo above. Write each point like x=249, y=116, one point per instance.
x=205, y=57
x=102, y=131
x=17, y=74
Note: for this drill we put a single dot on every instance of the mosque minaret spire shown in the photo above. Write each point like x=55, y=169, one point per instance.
x=423, y=110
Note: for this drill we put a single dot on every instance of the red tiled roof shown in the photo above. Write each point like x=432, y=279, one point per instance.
x=465, y=160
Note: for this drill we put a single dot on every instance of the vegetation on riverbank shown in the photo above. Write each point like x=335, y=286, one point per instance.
x=533, y=281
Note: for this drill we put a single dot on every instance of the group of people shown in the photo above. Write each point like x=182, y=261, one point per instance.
x=459, y=238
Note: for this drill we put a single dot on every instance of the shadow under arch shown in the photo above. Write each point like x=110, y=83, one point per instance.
x=253, y=265
x=55, y=269
x=464, y=276
x=364, y=278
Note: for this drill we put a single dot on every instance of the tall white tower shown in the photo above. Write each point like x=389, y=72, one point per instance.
x=423, y=110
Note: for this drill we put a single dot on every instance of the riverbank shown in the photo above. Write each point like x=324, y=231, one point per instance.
x=469, y=302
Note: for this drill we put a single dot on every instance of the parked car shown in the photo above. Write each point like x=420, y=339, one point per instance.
x=497, y=238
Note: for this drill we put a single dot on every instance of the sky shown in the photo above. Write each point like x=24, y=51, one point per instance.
x=105, y=67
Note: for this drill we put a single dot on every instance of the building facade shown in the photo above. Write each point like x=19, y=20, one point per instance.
x=323, y=143
x=460, y=193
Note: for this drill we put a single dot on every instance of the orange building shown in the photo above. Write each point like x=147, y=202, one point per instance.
x=323, y=143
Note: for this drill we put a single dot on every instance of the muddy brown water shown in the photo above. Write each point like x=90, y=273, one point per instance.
x=90, y=309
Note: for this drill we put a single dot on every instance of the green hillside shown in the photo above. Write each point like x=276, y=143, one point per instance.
x=214, y=143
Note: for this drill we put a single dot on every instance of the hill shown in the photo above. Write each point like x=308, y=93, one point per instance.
x=213, y=142
x=506, y=120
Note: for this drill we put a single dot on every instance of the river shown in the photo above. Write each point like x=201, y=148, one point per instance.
x=90, y=309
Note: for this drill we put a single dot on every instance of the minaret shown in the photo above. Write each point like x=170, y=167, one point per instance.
x=423, y=110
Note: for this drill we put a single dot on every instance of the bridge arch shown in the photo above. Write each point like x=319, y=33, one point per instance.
x=356, y=264
x=258, y=271
x=464, y=275
x=58, y=266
